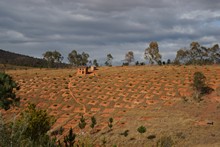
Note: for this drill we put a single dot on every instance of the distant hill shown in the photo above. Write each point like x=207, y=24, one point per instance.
x=11, y=58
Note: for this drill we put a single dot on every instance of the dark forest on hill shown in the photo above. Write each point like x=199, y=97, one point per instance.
x=7, y=57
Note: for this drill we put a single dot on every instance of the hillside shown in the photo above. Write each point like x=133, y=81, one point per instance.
x=10, y=58
x=158, y=98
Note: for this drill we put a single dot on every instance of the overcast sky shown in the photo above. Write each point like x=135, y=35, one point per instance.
x=99, y=27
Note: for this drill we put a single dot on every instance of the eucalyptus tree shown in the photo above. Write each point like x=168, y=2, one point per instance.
x=129, y=57
x=152, y=53
x=109, y=59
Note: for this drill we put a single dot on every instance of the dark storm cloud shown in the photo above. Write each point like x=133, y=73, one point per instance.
x=100, y=26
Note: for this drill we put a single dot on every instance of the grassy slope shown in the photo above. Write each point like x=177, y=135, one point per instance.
x=133, y=96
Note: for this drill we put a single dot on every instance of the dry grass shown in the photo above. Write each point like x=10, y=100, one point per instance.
x=133, y=96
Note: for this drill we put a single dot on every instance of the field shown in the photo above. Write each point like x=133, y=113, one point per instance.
x=159, y=98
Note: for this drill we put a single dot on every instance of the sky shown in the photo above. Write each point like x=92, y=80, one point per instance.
x=99, y=27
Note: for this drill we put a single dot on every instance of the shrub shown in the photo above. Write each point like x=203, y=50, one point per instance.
x=125, y=133
x=141, y=129
x=7, y=94
x=110, y=125
x=29, y=130
x=69, y=139
x=82, y=123
x=199, y=85
x=151, y=137
x=199, y=81
x=37, y=123
x=93, y=120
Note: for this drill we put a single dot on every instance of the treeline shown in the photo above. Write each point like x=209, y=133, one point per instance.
x=196, y=54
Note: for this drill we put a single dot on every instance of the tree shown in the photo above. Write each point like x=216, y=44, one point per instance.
x=74, y=58
x=109, y=59
x=85, y=57
x=48, y=56
x=28, y=130
x=159, y=62
x=7, y=93
x=198, y=55
x=78, y=59
x=31, y=128
x=137, y=63
x=214, y=53
x=110, y=125
x=52, y=57
x=152, y=53
x=198, y=84
x=95, y=63
x=129, y=57
x=168, y=61
x=69, y=139
x=93, y=120
x=36, y=122
x=57, y=57
x=181, y=56
x=82, y=123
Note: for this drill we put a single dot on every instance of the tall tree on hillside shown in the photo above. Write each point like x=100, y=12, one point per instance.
x=52, y=57
x=181, y=56
x=49, y=57
x=109, y=60
x=77, y=59
x=7, y=91
x=58, y=58
x=129, y=57
x=152, y=53
x=73, y=58
x=198, y=54
x=85, y=57
x=214, y=53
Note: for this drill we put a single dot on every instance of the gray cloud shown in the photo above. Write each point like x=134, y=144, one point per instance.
x=100, y=26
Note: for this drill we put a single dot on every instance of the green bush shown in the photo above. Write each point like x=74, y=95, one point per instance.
x=36, y=122
x=69, y=139
x=7, y=94
x=125, y=133
x=29, y=130
x=141, y=129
